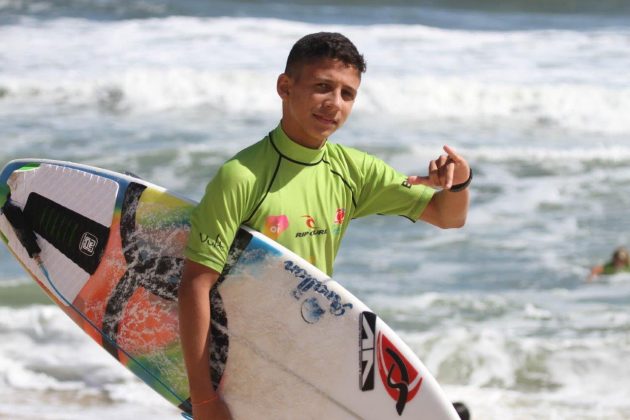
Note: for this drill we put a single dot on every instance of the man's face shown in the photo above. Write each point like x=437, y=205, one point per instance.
x=317, y=100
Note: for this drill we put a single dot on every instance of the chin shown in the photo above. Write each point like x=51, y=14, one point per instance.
x=324, y=134
x=320, y=136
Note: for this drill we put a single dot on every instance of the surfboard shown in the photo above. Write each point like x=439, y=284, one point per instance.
x=288, y=342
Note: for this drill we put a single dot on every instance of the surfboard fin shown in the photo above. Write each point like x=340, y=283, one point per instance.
x=22, y=227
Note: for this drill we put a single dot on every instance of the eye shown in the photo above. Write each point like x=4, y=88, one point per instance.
x=348, y=95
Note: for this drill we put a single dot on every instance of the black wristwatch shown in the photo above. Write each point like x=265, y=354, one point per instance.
x=463, y=185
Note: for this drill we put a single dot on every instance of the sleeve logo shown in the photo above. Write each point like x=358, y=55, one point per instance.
x=216, y=243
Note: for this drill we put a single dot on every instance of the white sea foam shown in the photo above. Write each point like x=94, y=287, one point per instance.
x=43, y=353
x=230, y=66
x=250, y=92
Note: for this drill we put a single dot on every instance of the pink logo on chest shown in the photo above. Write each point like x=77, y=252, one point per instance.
x=275, y=225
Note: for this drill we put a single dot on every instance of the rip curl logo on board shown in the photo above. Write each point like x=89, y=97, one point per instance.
x=402, y=381
x=88, y=243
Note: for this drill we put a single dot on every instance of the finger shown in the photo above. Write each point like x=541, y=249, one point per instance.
x=433, y=173
x=431, y=180
x=452, y=154
x=442, y=164
x=450, y=173
x=420, y=180
x=441, y=161
x=461, y=166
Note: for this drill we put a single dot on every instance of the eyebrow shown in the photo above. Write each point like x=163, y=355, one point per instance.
x=321, y=79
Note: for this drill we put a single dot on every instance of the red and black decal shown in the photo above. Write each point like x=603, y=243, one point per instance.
x=402, y=381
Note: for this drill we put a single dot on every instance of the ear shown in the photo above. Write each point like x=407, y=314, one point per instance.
x=283, y=85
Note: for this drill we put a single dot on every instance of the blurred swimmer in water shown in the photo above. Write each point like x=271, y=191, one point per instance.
x=619, y=263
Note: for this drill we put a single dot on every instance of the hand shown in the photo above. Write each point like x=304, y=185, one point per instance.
x=444, y=172
x=213, y=410
x=595, y=271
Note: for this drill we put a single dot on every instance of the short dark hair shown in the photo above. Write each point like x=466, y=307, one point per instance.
x=320, y=45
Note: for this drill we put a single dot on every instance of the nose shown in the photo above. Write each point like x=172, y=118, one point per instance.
x=333, y=100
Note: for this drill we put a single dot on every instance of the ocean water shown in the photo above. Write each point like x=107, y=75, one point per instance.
x=536, y=95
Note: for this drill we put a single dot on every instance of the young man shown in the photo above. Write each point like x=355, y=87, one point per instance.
x=294, y=181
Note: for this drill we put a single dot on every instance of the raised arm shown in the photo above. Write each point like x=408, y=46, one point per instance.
x=194, y=329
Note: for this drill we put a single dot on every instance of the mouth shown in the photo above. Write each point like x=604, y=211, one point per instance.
x=324, y=120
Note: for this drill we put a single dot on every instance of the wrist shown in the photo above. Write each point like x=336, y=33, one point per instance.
x=210, y=399
x=463, y=185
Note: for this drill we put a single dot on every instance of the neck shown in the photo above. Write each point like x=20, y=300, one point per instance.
x=301, y=138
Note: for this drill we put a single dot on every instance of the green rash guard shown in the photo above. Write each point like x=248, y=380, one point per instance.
x=609, y=268
x=302, y=198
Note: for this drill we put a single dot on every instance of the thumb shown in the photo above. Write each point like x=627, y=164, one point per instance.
x=419, y=180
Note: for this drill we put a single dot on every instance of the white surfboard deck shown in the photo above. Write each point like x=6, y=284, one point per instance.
x=289, y=341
